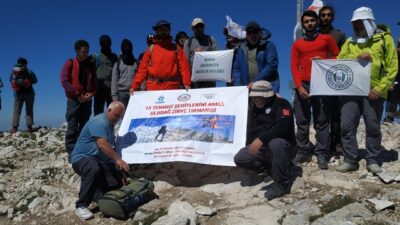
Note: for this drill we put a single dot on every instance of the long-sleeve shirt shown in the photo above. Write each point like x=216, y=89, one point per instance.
x=122, y=76
x=303, y=52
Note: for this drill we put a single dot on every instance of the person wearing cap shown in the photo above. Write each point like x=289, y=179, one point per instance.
x=105, y=61
x=271, y=142
x=373, y=44
x=22, y=79
x=393, y=99
x=78, y=78
x=256, y=59
x=123, y=73
x=199, y=42
x=164, y=65
x=312, y=46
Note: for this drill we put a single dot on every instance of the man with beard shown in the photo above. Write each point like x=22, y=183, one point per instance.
x=104, y=65
x=312, y=46
x=78, y=78
x=369, y=43
x=164, y=64
x=123, y=72
x=326, y=17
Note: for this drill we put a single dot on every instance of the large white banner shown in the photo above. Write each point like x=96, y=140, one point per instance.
x=212, y=66
x=340, y=77
x=202, y=126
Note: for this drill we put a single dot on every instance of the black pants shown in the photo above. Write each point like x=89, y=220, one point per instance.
x=335, y=122
x=102, y=97
x=97, y=177
x=77, y=115
x=275, y=157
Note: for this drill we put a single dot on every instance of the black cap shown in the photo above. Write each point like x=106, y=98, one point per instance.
x=162, y=23
x=253, y=25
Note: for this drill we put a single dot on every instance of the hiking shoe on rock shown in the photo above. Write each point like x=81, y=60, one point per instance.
x=322, y=162
x=276, y=190
x=83, y=213
x=14, y=130
x=388, y=119
x=302, y=158
x=347, y=167
x=374, y=168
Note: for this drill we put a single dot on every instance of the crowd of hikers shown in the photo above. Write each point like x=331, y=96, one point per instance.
x=273, y=147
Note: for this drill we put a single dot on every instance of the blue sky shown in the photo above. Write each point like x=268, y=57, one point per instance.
x=44, y=31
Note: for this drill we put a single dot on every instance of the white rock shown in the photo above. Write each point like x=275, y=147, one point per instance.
x=37, y=204
x=344, y=216
x=205, y=211
x=8, y=152
x=381, y=204
x=172, y=220
x=387, y=177
x=260, y=215
x=183, y=209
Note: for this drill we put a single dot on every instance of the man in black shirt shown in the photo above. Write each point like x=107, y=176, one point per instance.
x=270, y=138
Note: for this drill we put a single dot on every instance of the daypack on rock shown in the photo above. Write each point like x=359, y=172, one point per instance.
x=124, y=202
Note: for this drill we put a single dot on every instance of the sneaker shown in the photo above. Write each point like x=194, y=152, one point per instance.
x=347, y=167
x=14, y=130
x=388, y=119
x=83, y=213
x=374, y=168
x=276, y=190
x=302, y=158
x=322, y=162
x=30, y=129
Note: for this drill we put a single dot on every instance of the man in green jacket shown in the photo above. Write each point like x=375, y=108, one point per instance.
x=373, y=44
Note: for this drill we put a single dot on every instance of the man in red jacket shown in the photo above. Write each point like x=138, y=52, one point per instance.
x=78, y=78
x=313, y=46
x=164, y=65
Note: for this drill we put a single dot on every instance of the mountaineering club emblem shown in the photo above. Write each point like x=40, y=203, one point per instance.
x=339, y=77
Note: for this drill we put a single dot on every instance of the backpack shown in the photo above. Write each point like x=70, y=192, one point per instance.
x=124, y=202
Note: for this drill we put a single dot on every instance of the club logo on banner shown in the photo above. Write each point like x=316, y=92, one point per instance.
x=340, y=77
x=212, y=66
x=202, y=126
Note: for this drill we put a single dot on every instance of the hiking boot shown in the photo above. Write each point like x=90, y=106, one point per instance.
x=83, y=213
x=276, y=190
x=30, y=129
x=388, y=119
x=322, y=162
x=347, y=167
x=302, y=158
x=374, y=168
x=14, y=130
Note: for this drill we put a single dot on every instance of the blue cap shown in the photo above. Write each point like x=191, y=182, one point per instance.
x=161, y=23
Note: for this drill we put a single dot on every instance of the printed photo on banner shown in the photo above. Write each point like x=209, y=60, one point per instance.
x=340, y=77
x=212, y=66
x=200, y=126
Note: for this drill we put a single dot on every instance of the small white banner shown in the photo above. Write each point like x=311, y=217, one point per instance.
x=212, y=66
x=205, y=126
x=340, y=77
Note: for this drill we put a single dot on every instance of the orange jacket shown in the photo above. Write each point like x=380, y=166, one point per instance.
x=160, y=68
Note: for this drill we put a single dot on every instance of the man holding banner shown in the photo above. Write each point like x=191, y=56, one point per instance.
x=374, y=44
x=312, y=46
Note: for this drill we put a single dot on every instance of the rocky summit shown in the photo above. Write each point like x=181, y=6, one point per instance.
x=38, y=186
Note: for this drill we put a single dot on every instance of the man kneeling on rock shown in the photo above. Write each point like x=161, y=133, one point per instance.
x=94, y=159
x=270, y=138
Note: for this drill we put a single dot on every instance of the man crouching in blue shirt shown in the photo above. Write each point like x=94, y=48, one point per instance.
x=94, y=159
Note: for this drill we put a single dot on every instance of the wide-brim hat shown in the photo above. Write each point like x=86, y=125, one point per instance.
x=261, y=88
x=362, y=13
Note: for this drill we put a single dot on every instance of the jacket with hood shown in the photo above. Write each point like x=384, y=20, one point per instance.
x=384, y=65
x=267, y=64
x=163, y=66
